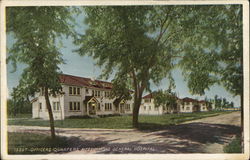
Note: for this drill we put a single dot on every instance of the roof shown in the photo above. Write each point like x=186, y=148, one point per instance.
x=88, y=98
x=187, y=99
x=150, y=95
x=82, y=81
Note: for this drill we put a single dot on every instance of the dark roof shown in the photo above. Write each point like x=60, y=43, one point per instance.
x=87, y=98
x=187, y=99
x=150, y=95
x=82, y=81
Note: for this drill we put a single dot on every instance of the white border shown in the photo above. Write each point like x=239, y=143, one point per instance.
x=4, y=155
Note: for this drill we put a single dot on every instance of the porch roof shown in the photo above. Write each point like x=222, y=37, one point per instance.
x=88, y=98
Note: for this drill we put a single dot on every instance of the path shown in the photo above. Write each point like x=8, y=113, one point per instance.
x=207, y=135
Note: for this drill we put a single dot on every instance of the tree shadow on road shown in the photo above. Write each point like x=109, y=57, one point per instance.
x=201, y=132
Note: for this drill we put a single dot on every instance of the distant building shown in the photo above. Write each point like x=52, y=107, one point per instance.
x=184, y=105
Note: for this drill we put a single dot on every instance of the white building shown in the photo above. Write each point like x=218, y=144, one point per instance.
x=185, y=105
x=80, y=96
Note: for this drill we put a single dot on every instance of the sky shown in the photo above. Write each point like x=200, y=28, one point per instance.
x=84, y=66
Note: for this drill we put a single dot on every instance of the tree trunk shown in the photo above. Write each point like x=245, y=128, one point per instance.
x=51, y=118
x=137, y=104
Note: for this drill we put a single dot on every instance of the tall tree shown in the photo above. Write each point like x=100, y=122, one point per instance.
x=143, y=43
x=36, y=31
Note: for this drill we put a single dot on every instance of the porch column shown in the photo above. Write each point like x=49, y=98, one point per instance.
x=87, y=107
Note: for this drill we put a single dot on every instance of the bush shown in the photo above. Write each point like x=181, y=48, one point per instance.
x=234, y=146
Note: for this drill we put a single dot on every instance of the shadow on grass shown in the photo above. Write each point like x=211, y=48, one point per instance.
x=31, y=143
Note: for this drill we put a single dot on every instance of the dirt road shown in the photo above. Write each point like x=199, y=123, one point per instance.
x=207, y=135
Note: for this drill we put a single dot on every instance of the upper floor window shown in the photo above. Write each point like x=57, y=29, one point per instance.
x=87, y=90
x=96, y=93
x=107, y=94
x=187, y=103
x=74, y=91
x=148, y=100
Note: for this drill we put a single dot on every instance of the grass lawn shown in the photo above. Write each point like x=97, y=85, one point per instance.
x=119, y=122
x=20, y=115
x=30, y=143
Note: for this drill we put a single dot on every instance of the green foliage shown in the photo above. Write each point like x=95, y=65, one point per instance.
x=144, y=43
x=18, y=107
x=214, y=53
x=166, y=98
x=36, y=31
x=234, y=146
x=221, y=103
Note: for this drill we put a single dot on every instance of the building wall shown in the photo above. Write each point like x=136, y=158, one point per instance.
x=148, y=108
x=43, y=112
x=186, y=107
x=67, y=98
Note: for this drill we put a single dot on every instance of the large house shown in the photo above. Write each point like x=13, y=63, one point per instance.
x=80, y=96
x=84, y=96
x=183, y=105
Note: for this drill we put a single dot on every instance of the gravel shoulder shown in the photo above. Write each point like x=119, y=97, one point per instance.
x=207, y=135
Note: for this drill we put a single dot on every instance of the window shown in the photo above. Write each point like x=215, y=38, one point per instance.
x=145, y=107
x=156, y=108
x=127, y=107
x=74, y=91
x=78, y=91
x=56, y=106
x=70, y=90
x=98, y=107
x=74, y=106
x=107, y=94
x=187, y=103
x=149, y=107
x=87, y=91
x=108, y=106
x=188, y=108
x=40, y=107
x=78, y=106
x=148, y=100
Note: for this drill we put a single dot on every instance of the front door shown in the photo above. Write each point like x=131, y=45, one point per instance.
x=122, y=109
x=92, y=108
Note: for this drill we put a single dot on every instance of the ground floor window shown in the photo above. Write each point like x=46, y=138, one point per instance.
x=127, y=107
x=74, y=106
x=56, y=106
x=108, y=106
x=40, y=107
x=188, y=108
x=98, y=106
